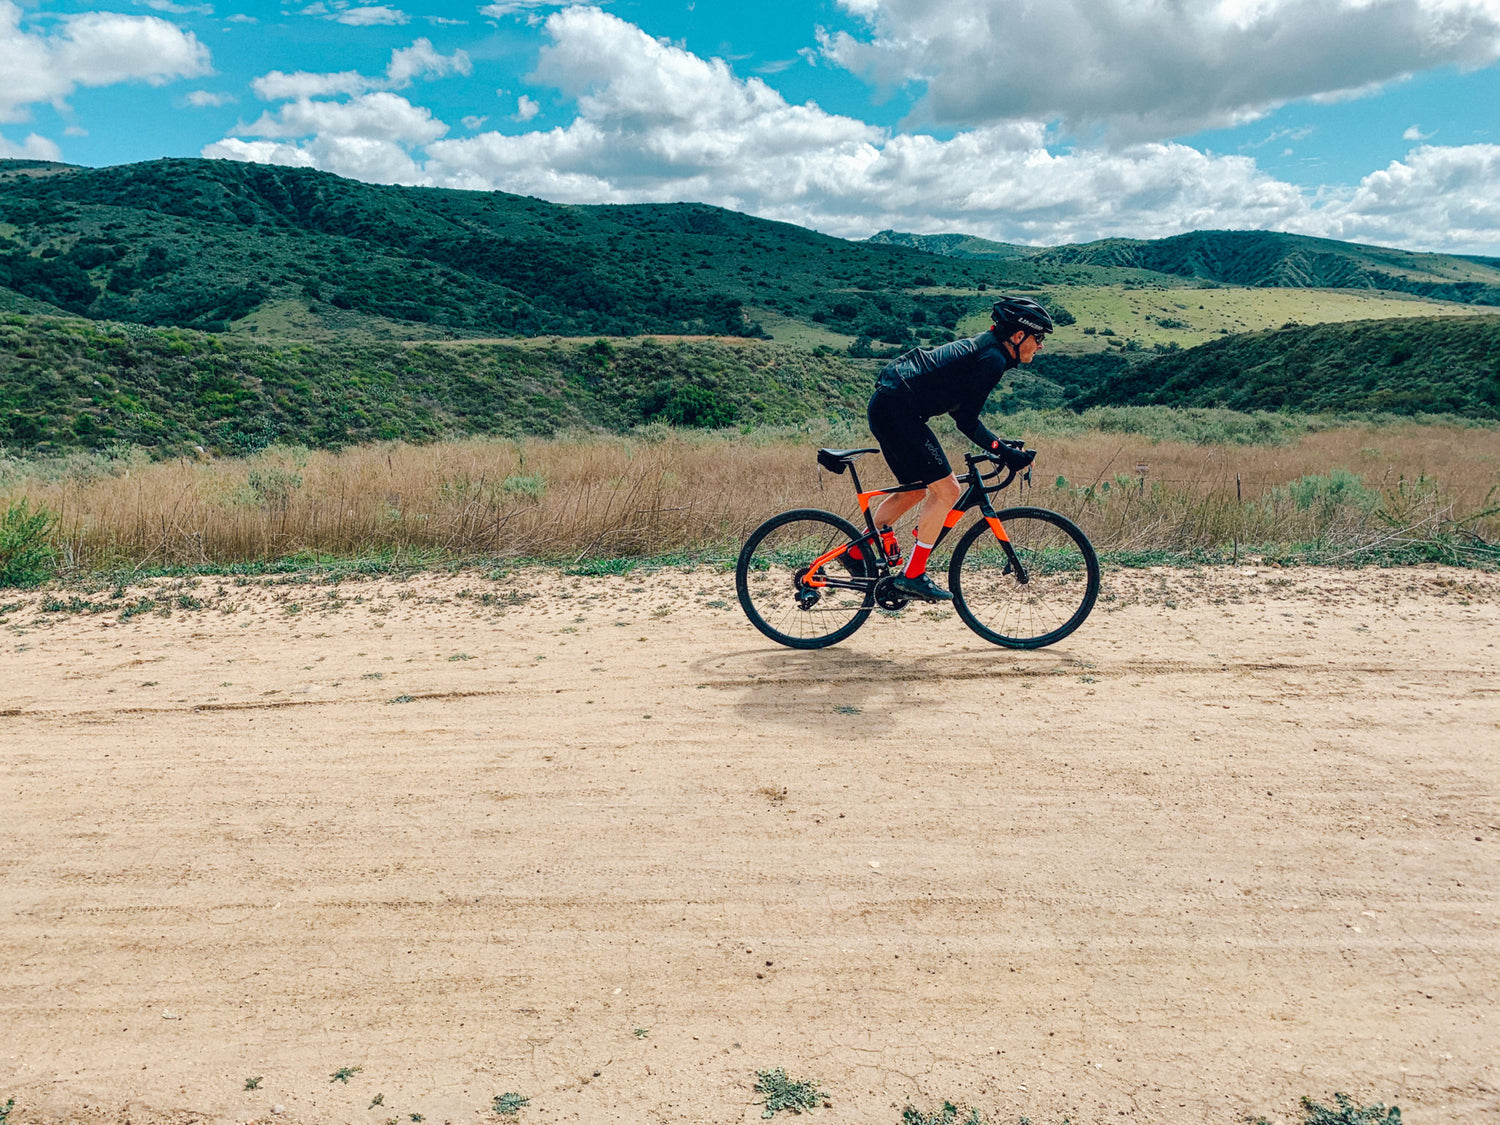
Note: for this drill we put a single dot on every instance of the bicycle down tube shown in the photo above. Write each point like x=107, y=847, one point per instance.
x=976, y=495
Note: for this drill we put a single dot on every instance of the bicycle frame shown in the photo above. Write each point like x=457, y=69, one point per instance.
x=976, y=495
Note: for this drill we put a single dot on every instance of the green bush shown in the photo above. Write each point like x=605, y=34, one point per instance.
x=1338, y=489
x=27, y=557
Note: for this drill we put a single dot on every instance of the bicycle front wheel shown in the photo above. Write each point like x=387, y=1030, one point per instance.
x=1047, y=600
x=792, y=600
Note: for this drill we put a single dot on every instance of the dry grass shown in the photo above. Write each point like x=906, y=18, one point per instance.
x=661, y=493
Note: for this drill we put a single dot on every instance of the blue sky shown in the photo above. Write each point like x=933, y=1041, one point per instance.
x=1369, y=120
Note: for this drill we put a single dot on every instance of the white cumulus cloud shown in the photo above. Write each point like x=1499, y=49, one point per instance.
x=420, y=60
x=380, y=116
x=372, y=16
x=502, y=8
x=204, y=99
x=1437, y=198
x=655, y=122
x=1152, y=69
x=34, y=147
x=277, y=86
x=90, y=49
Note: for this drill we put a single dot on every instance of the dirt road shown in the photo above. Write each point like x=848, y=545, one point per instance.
x=595, y=842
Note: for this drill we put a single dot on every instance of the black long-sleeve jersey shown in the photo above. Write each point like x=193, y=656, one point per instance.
x=953, y=379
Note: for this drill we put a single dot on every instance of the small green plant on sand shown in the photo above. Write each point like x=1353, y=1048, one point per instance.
x=253, y=1083
x=508, y=1105
x=948, y=1115
x=602, y=568
x=344, y=1073
x=782, y=1092
x=1348, y=1113
x=5, y=1110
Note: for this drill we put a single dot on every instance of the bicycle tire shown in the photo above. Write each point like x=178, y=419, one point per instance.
x=765, y=580
x=1062, y=586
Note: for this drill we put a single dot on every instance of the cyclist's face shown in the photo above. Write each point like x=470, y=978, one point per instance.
x=1026, y=346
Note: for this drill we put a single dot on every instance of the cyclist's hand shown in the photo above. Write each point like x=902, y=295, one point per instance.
x=1012, y=458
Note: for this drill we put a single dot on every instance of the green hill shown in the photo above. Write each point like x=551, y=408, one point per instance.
x=954, y=245
x=210, y=244
x=1435, y=365
x=1256, y=259
x=69, y=383
x=1268, y=259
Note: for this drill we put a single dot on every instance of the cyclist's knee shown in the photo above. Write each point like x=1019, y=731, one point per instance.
x=946, y=490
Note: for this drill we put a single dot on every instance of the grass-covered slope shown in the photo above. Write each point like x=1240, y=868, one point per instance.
x=75, y=384
x=204, y=244
x=1448, y=365
x=954, y=245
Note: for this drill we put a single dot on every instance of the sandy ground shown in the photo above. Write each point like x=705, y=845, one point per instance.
x=596, y=842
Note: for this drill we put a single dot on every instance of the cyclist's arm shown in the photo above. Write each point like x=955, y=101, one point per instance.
x=971, y=427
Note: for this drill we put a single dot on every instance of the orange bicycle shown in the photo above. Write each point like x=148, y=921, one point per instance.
x=1020, y=577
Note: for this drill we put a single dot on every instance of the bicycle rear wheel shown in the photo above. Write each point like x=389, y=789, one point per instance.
x=1061, y=572
x=788, y=602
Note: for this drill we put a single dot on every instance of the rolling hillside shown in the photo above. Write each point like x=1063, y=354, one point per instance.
x=1267, y=259
x=211, y=244
x=185, y=303
x=954, y=245
x=1440, y=366
x=1254, y=259
x=74, y=384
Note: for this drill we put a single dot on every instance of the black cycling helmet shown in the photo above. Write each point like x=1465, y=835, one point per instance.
x=1012, y=313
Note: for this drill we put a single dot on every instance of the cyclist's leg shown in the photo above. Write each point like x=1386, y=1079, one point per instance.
x=937, y=502
x=891, y=508
x=911, y=450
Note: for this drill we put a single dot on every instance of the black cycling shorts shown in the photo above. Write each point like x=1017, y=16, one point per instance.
x=908, y=444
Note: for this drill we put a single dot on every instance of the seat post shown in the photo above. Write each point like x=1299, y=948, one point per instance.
x=853, y=472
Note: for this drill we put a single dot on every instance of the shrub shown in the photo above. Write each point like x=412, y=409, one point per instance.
x=1340, y=488
x=529, y=486
x=27, y=557
x=272, y=487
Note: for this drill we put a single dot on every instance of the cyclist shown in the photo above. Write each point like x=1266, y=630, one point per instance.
x=953, y=379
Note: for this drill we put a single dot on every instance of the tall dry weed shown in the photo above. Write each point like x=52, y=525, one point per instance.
x=661, y=492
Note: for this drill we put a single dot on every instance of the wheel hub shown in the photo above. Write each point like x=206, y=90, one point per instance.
x=806, y=596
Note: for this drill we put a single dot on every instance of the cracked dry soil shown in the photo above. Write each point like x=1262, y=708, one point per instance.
x=596, y=842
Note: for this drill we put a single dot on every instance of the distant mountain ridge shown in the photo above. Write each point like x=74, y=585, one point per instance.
x=1258, y=259
x=955, y=245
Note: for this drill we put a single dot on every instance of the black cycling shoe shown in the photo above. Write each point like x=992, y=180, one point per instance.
x=922, y=587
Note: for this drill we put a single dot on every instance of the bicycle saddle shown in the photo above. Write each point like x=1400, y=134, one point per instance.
x=837, y=460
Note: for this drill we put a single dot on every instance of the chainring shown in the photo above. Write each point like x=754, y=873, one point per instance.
x=887, y=597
